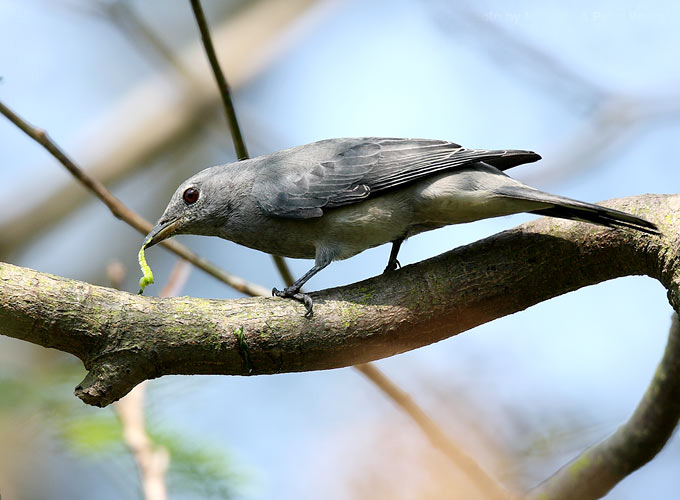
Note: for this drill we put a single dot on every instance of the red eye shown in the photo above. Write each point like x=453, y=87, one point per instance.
x=190, y=196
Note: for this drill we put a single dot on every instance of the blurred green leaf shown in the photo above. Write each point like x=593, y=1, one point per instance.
x=94, y=434
x=200, y=468
x=46, y=391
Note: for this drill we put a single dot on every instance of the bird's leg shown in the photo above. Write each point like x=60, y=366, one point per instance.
x=393, y=263
x=293, y=291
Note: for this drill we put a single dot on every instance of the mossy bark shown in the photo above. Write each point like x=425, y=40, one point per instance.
x=124, y=338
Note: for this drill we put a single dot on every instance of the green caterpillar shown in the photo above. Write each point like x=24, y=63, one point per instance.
x=147, y=279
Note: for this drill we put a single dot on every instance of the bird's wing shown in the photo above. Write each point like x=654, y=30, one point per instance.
x=354, y=169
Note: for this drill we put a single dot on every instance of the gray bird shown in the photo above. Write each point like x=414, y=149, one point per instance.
x=333, y=199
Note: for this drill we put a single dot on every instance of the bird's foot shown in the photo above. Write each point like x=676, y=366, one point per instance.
x=392, y=266
x=296, y=294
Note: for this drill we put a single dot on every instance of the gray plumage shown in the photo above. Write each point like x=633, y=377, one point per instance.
x=332, y=199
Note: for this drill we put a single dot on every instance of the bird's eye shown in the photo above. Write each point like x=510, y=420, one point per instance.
x=190, y=196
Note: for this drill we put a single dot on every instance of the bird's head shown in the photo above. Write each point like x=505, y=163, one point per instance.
x=200, y=205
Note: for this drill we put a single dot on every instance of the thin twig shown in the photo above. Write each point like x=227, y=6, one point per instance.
x=230, y=112
x=122, y=212
x=178, y=278
x=152, y=460
x=597, y=470
x=436, y=435
x=123, y=15
x=147, y=120
x=284, y=270
x=489, y=486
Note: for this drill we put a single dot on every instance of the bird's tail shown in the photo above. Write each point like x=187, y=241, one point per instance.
x=566, y=208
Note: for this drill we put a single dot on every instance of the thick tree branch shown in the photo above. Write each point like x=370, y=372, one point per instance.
x=124, y=339
x=121, y=211
x=152, y=460
x=486, y=483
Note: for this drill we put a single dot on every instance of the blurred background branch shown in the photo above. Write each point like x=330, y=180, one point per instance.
x=610, y=117
x=488, y=486
x=459, y=458
x=153, y=116
x=122, y=212
x=113, y=373
x=527, y=60
x=597, y=470
x=149, y=461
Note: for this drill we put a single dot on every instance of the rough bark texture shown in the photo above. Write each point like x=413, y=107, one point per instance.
x=123, y=339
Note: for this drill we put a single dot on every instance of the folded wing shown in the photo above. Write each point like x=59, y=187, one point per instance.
x=356, y=169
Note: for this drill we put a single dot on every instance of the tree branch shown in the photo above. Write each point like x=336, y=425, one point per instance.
x=459, y=458
x=123, y=339
x=222, y=85
x=152, y=460
x=122, y=212
x=149, y=120
x=438, y=438
x=598, y=469
x=230, y=112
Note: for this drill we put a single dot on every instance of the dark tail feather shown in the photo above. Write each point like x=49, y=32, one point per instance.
x=609, y=218
x=566, y=208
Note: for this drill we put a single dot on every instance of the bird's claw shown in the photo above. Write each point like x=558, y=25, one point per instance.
x=303, y=298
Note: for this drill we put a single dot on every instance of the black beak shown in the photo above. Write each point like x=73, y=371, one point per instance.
x=162, y=231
